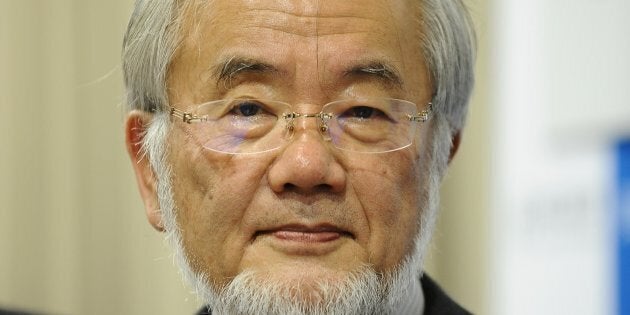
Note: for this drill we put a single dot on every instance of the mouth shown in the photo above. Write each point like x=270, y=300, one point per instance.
x=323, y=233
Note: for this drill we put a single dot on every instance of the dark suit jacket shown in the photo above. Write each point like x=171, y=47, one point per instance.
x=436, y=302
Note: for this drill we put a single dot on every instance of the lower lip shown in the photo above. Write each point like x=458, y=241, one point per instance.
x=307, y=237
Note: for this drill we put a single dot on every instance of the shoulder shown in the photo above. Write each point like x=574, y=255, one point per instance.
x=436, y=301
x=14, y=312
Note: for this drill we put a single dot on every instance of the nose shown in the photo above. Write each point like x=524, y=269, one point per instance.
x=306, y=164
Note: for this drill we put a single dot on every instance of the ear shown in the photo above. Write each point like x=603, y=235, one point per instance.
x=135, y=129
x=455, y=141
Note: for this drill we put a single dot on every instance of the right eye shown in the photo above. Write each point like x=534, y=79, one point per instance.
x=247, y=109
x=363, y=113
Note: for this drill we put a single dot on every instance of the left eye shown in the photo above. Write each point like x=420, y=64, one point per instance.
x=363, y=112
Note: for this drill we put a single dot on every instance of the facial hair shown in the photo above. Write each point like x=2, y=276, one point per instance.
x=362, y=291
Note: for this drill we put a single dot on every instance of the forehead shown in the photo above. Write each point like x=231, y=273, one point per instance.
x=386, y=21
x=305, y=18
x=309, y=37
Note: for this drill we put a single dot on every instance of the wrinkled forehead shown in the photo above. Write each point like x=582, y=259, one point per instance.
x=302, y=39
x=387, y=22
x=303, y=17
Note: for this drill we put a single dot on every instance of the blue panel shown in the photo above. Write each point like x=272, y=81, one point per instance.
x=623, y=219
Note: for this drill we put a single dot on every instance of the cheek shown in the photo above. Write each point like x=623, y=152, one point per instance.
x=211, y=193
x=389, y=191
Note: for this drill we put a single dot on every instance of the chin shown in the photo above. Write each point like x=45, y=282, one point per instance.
x=306, y=276
x=309, y=289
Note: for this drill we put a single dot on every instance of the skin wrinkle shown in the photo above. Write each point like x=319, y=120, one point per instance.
x=284, y=22
x=317, y=16
x=208, y=192
x=360, y=173
x=320, y=80
x=318, y=32
x=309, y=36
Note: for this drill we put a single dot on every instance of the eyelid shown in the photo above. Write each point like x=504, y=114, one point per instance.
x=266, y=107
x=235, y=104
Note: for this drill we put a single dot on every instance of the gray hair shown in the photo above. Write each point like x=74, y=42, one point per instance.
x=448, y=44
x=148, y=48
x=449, y=47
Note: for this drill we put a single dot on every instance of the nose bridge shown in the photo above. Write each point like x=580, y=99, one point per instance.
x=304, y=122
x=307, y=163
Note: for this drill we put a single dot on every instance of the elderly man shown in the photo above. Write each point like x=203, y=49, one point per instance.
x=292, y=151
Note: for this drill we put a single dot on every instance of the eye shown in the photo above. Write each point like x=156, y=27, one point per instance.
x=247, y=109
x=363, y=112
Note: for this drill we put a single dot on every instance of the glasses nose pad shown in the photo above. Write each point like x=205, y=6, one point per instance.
x=323, y=127
x=290, y=128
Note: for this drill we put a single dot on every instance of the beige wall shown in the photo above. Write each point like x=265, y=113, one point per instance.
x=73, y=238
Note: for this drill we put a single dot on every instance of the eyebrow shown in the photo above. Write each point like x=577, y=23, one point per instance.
x=226, y=70
x=378, y=69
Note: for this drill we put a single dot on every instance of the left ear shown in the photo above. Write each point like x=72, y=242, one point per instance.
x=455, y=141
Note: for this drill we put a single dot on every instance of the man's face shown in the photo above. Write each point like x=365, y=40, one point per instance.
x=306, y=212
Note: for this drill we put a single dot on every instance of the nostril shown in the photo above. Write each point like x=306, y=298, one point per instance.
x=323, y=188
x=317, y=188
